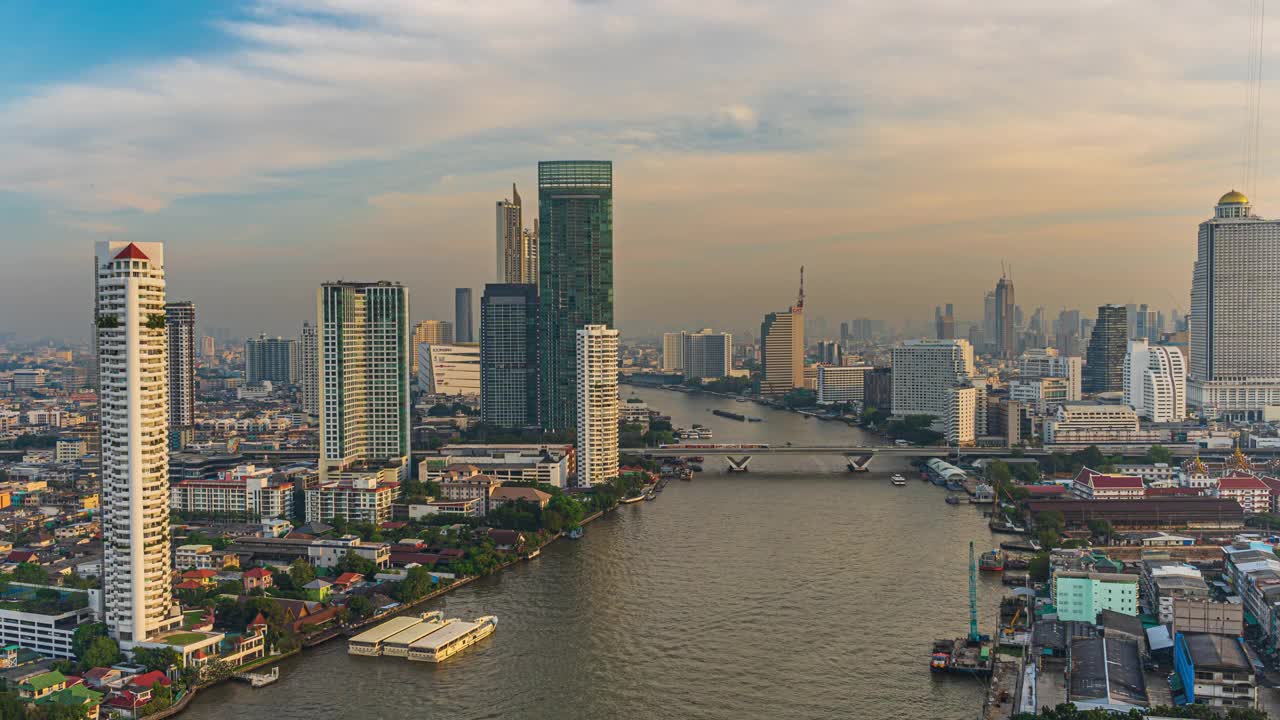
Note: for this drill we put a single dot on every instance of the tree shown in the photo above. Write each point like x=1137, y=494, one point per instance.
x=1100, y=530
x=360, y=607
x=301, y=572
x=30, y=573
x=417, y=582
x=84, y=636
x=1159, y=454
x=161, y=658
x=1091, y=457
x=102, y=652
x=999, y=471
x=352, y=562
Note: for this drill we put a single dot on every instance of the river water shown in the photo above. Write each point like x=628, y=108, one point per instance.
x=797, y=590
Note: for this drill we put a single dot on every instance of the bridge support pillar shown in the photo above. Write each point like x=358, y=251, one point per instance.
x=859, y=463
x=738, y=464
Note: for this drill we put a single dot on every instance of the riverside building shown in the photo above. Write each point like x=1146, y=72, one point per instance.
x=597, y=361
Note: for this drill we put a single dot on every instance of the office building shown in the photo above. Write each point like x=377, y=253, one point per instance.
x=597, y=412
x=517, y=247
x=133, y=406
x=673, y=351
x=509, y=355
x=1041, y=394
x=1235, y=314
x=364, y=392
x=180, y=324
x=830, y=352
x=432, y=332
x=945, y=322
x=1089, y=423
x=270, y=359
x=782, y=348
x=463, y=329
x=845, y=384
x=707, y=354
x=925, y=370
x=1155, y=382
x=575, y=275
x=450, y=370
x=1048, y=362
x=1005, y=322
x=309, y=369
x=1104, y=360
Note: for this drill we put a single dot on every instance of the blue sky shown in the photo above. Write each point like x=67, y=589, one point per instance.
x=899, y=150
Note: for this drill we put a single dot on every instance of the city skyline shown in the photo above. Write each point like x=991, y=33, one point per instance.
x=686, y=155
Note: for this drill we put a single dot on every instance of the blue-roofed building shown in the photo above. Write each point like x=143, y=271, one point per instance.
x=1213, y=670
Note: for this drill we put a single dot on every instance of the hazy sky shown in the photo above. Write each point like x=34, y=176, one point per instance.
x=899, y=149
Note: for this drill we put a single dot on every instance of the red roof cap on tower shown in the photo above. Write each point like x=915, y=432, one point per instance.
x=131, y=252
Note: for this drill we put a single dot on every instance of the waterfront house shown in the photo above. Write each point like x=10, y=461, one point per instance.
x=256, y=578
x=346, y=581
x=507, y=539
x=318, y=590
x=104, y=678
x=504, y=495
x=201, y=578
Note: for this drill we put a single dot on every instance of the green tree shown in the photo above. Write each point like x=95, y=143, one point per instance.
x=352, y=562
x=1091, y=457
x=1159, y=454
x=301, y=572
x=84, y=636
x=998, y=471
x=102, y=652
x=360, y=606
x=1100, y=530
x=30, y=573
x=417, y=582
x=161, y=658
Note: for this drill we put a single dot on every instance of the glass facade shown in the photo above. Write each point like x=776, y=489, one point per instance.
x=509, y=355
x=1104, y=361
x=575, y=276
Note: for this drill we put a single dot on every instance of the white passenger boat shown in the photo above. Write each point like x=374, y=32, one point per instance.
x=455, y=637
x=899, y=480
x=375, y=641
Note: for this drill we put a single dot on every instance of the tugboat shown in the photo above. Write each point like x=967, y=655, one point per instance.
x=992, y=561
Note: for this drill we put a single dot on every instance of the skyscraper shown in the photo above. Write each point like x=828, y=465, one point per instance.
x=133, y=407
x=431, y=332
x=517, y=247
x=925, y=370
x=509, y=355
x=597, y=401
x=1006, y=337
x=463, y=330
x=364, y=392
x=830, y=352
x=707, y=354
x=945, y=322
x=270, y=359
x=575, y=276
x=990, y=333
x=180, y=324
x=1155, y=381
x=782, y=348
x=1104, y=360
x=309, y=368
x=1235, y=313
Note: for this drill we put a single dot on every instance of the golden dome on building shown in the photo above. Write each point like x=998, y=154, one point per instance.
x=1233, y=198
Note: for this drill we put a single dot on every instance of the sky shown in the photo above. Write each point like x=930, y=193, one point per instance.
x=900, y=151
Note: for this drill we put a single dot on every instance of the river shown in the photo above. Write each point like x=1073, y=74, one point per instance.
x=797, y=590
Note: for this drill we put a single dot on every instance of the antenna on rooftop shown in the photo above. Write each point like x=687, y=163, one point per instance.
x=1252, y=134
x=800, y=303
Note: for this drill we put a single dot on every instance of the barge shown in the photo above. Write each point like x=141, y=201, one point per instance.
x=373, y=642
x=731, y=415
x=457, y=636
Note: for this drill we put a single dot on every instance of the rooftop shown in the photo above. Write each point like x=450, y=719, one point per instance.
x=1217, y=652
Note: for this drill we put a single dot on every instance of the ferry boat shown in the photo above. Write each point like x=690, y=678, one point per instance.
x=899, y=480
x=457, y=636
x=992, y=561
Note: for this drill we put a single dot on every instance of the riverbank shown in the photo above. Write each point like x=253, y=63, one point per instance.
x=319, y=639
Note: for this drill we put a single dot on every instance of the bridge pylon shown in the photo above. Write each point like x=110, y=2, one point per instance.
x=859, y=462
x=738, y=464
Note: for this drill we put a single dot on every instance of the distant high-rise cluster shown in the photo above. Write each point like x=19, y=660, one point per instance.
x=517, y=251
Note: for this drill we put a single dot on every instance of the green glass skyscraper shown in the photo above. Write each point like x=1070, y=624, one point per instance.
x=575, y=275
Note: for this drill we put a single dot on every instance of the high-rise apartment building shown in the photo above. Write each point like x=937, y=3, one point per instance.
x=1104, y=360
x=517, y=250
x=432, y=332
x=673, y=351
x=309, y=369
x=364, y=391
x=134, y=407
x=509, y=355
x=270, y=359
x=1006, y=336
x=575, y=275
x=180, y=324
x=1235, y=313
x=707, y=354
x=1155, y=381
x=208, y=347
x=925, y=370
x=1049, y=362
x=597, y=400
x=463, y=322
x=782, y=348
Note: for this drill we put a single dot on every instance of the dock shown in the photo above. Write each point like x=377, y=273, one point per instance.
x=257, y=680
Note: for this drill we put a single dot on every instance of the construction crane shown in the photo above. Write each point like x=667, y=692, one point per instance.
x=973, y=598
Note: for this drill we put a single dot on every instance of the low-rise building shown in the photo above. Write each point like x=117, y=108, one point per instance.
x=1093, y=485
x=1082, y=595
x=1154, y=475
x=361, y=498
x=1251, y=492
x=242, y=491
x=195, y=557
x=1164, y=581
x=503, y=495
x=473, y=507
x=552, y=464
x=328, y=553
x=1214, y=670
x=1200, y=615
x=1089, y=423
x=1106, y=674
x=44, y=626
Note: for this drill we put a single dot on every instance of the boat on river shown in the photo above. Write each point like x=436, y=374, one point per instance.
x=452, y=639
x=992, y=561
x=953, y=499
x=898, y=480
x=629, y=500
x=575, y=533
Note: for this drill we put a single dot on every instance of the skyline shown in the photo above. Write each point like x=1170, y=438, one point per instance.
x=208, y=141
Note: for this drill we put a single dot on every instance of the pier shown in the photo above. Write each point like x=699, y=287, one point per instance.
x=257, y=680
